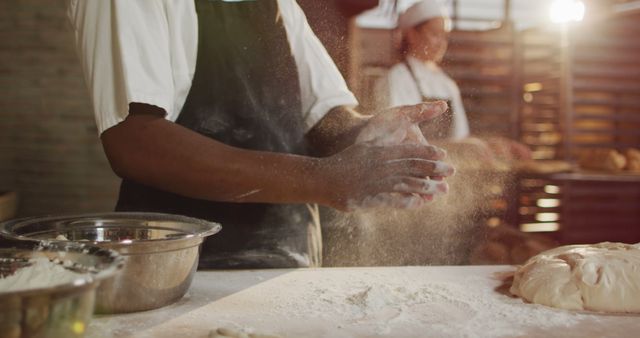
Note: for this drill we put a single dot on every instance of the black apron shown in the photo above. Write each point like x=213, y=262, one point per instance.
x=245, y=93
x=440, y=128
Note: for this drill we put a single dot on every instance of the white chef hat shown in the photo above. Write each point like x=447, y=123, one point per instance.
x=421, y=12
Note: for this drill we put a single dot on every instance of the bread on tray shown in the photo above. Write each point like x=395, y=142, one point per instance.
x=603, y=159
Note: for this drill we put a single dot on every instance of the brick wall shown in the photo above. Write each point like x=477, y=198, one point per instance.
x=49, y=149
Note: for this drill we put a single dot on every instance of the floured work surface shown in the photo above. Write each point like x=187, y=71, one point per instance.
x=360, y=302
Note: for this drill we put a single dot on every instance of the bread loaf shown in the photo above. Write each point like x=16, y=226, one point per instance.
x=603, y=160
x=633, y=160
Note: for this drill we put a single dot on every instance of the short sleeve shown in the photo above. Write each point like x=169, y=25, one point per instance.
x=322, y=86
x=123, y=47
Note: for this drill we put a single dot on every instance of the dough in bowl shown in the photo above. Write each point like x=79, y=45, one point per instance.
x=601, y=277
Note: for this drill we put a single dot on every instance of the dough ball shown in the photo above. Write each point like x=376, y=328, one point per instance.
x=600, y=277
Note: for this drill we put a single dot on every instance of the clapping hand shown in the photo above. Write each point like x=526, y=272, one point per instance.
x=396, y=127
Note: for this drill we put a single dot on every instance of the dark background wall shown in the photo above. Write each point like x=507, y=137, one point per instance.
x=49, y=148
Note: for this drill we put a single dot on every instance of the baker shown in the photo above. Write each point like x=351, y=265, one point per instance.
x=232, y=111
x=425, y=28
x=418, y=77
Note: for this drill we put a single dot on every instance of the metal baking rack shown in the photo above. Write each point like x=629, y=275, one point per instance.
x=581, y=90
x=484, y=65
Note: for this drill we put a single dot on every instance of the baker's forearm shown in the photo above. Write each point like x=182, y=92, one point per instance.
x=336, y=131
x=153, y=151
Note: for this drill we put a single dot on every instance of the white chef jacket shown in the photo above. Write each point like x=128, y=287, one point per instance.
x=145, y=51
x=432, y=82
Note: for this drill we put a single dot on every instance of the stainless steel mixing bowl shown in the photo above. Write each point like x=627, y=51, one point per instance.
x=161, y=252
x=61, y=311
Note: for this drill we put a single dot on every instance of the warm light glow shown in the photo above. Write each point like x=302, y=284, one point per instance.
x=552, y=189
x=533, y=87
x=567, y=10
x=78, y=327
x=494, y=222
x=548, y=203
x=539, y=227
x=547, y=217
x=527, y=210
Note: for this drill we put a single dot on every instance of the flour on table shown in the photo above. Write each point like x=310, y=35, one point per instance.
x=381, y=307
x=601, y=277
x=42, y=273
x=231, y=333
x=408, y=302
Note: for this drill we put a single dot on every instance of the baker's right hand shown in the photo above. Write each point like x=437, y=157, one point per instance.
x=369, y=176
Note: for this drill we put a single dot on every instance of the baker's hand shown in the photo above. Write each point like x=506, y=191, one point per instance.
x=400, y=125
x=368, y=176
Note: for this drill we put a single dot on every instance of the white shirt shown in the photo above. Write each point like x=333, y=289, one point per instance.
x=145, y=51
x=432, y=82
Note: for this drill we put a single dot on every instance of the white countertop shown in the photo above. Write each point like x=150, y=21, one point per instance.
x=464, y=301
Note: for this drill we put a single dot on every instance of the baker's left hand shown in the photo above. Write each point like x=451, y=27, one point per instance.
x=400, y=125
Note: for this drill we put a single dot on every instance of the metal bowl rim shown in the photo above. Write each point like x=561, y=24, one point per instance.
x=213, y=227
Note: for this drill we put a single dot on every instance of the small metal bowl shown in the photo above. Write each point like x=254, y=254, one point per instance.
x=161, y=252
x=59, y=311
